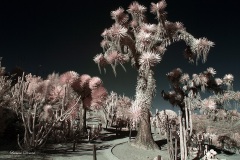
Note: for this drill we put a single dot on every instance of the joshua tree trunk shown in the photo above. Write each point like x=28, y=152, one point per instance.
x=144, y=93
x=144, y=137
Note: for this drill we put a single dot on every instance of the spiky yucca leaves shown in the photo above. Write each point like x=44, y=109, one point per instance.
x=132, y=38
x=81, y=85
x=95, y=82
x=135, y=37
x=228, y=79
x=91, y=90
x=182, y=85
x=68, y=77
x=209, y=104
x=119, y=16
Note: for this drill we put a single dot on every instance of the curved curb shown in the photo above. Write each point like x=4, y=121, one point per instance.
x=110, y=154
x=115, y=146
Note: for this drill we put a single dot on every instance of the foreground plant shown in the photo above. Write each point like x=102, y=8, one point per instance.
x=144, y=44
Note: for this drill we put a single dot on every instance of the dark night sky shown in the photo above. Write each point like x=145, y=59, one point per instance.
x=63, y=36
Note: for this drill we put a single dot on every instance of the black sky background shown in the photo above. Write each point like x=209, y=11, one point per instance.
x=66, y=35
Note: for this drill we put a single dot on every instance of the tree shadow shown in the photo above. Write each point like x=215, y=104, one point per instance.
x=219, y=151
x=112, y=134
x=161, y=142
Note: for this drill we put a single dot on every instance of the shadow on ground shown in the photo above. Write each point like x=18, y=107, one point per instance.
x=110, y=134
x=161, y=143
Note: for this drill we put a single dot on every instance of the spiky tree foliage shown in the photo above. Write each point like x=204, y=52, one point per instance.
x=185, y=91
x=182, y=86
x=92, y=92
x=132, y=38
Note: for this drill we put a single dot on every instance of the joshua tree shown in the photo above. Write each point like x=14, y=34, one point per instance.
x=143, y=44
x=182, y=87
